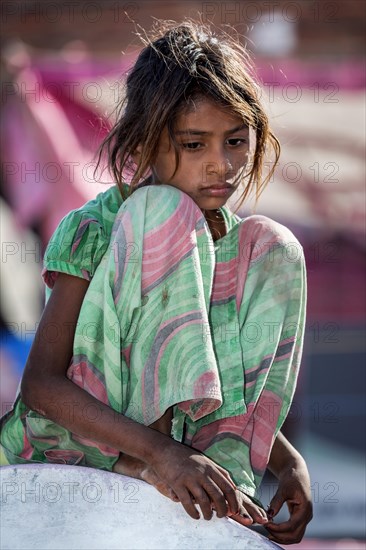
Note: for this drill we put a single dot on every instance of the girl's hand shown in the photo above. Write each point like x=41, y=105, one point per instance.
x=195, y=479
x=150, y=476
x=294, y=489
x=133, y=467
x=249, y=512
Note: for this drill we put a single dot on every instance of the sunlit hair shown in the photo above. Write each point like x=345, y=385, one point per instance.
x=182, y=63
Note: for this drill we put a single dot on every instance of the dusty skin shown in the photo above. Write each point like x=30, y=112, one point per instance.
x=247, y=514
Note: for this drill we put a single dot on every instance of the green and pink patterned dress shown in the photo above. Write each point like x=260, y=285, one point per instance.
x=172, y=318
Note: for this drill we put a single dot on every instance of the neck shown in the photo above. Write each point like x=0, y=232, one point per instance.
x=212, y=215
x=215, y=222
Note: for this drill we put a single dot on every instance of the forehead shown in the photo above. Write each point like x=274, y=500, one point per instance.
x=204, y=114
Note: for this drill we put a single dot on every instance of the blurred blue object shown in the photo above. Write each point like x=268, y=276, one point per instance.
x=17, y=348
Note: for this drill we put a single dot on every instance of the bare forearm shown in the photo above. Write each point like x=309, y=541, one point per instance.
x=46, y=389
x=65, y=403
x=293, y=488
x=283, y=456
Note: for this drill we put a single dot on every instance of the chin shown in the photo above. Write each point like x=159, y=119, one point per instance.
x=212, y=204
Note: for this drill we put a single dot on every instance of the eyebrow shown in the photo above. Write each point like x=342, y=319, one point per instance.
x=194, y=131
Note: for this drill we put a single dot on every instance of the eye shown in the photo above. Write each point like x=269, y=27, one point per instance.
x=192, y=146
x=237, y=142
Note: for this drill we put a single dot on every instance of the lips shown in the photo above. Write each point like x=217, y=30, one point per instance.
x=218, y=186
x=218, y=190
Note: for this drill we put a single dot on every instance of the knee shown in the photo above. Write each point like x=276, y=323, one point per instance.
x=162, y=202
x=162, y=194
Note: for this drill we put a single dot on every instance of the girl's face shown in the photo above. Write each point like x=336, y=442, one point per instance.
x=214, y=146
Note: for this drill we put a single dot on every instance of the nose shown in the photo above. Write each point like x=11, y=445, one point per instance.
x=220, y=164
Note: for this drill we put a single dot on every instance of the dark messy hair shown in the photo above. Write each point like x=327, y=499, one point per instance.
x=179, y=64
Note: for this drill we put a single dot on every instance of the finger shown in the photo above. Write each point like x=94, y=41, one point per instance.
x=218, y=501
x=288, y=538
x=286, y=533
x=275, y=505
x=173, y=496
x=229, y=493
x=297, y=520
x=203, y=500
x=151, y=477
x=300, y=511
x=257, y=513
x=259, y=516
x=227, y=475
x=244, y=519
x=280, y=527
x=165, y=490
x=292, y=530
x=187, y=502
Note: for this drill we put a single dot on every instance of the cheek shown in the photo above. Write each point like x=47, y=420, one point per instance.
x=240, y=160
x=164, y=167
x=183, y=165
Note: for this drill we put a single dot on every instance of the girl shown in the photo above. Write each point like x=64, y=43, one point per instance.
x=170, y=344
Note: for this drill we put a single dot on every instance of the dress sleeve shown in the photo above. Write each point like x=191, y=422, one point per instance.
x=75, y=248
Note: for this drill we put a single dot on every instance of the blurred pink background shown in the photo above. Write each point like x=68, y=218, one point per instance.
x=61, y=63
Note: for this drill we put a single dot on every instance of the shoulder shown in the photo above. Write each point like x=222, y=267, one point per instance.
x=101, y=210
x=81, y=238
x=98, y=213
